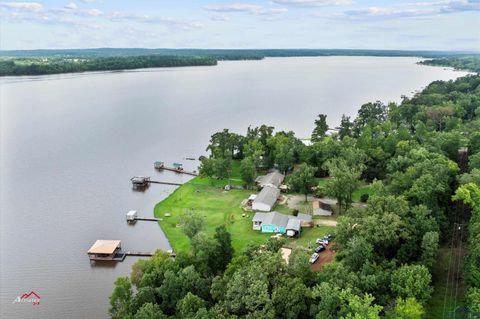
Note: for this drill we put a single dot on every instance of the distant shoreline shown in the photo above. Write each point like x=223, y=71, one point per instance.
x=46, y=62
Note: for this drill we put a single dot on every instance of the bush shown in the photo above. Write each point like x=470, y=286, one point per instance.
x=295, y=212
x=364, y=198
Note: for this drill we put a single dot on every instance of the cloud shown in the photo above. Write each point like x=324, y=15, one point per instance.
x=167, y=21
x=414, y=10
x=245, y=8
x=71, y=6
x=273, y=11
x=23, y=6
x=313, y=3
x=235, y=7
x=219, y=17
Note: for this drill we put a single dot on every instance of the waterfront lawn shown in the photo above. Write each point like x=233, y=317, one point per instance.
x=205, y=196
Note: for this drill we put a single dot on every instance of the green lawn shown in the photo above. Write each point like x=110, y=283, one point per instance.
x=442, y=303
x=206, y=196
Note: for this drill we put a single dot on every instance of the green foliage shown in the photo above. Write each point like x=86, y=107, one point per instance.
x=248, y=170
x=408, y=308
x=430, y=243
x=121, y=298
x=33, y=66
x=189, y=306
x=321, y=128
x=412, y=281
x=193, y=223
x=344, y=180
x=357, y=307
x=302, y=179
x=149, y=311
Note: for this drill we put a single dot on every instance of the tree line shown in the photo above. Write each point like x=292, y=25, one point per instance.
x=41, y=66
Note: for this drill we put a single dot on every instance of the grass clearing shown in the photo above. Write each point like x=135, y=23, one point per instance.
x=443, y=301
x=206, y=197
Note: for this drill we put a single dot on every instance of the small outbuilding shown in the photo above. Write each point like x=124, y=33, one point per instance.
x=293, y=227
x=321, y=209
x=273, y=179
x=266, y=199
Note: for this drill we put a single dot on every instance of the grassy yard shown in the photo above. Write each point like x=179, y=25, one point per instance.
x=364, y=189
x=206, y=197
x=443, y=301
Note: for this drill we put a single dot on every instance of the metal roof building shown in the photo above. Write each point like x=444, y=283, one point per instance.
x=266, y=199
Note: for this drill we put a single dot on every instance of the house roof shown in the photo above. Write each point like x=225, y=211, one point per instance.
x=259, y=217
x=268, y=195
x=273, y=178
x=293, y=223
x=104, y=247
x=273, y=218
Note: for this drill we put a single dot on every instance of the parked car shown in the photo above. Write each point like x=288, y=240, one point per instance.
x=319, y=249
x=322, y=241
x=314, y=258
x=329, y=237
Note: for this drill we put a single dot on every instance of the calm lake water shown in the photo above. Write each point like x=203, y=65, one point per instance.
x=70, y=143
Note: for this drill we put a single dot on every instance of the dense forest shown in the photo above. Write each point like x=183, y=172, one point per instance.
x=423, y=158
x=39, y=62
x=40, y=66
x=470, y=63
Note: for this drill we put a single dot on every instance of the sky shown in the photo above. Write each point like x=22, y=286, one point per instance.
x=348, y=24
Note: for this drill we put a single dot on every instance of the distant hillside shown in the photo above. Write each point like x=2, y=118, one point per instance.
x=226, y=54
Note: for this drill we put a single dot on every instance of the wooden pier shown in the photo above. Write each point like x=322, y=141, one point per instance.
x=177, y=168
x=139, y=254
x=179, y=171
x=165, y=183
x=150, y=219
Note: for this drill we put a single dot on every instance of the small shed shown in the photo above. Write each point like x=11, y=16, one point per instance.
x=305, y=220
x=293, y=227
x=266, y=199
x=321, y=208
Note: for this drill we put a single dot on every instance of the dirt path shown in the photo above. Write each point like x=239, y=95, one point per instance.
x=326, y=256
x=325, y=222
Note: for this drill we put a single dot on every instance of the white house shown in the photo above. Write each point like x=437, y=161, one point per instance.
x=266, y=199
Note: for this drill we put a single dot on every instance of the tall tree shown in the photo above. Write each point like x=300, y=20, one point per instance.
x=121, y=298
x=248, y=171
x=302, y=179
x=321, y=128
x=193, y=223
x=346, y=127
x=223, y=249
x=344, y=180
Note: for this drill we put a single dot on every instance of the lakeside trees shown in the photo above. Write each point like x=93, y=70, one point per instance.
x=41, y=66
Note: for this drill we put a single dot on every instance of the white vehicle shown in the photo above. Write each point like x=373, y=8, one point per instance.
x=314, y=258
x=322, y=241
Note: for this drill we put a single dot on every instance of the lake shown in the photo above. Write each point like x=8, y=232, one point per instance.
x=71, y=142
